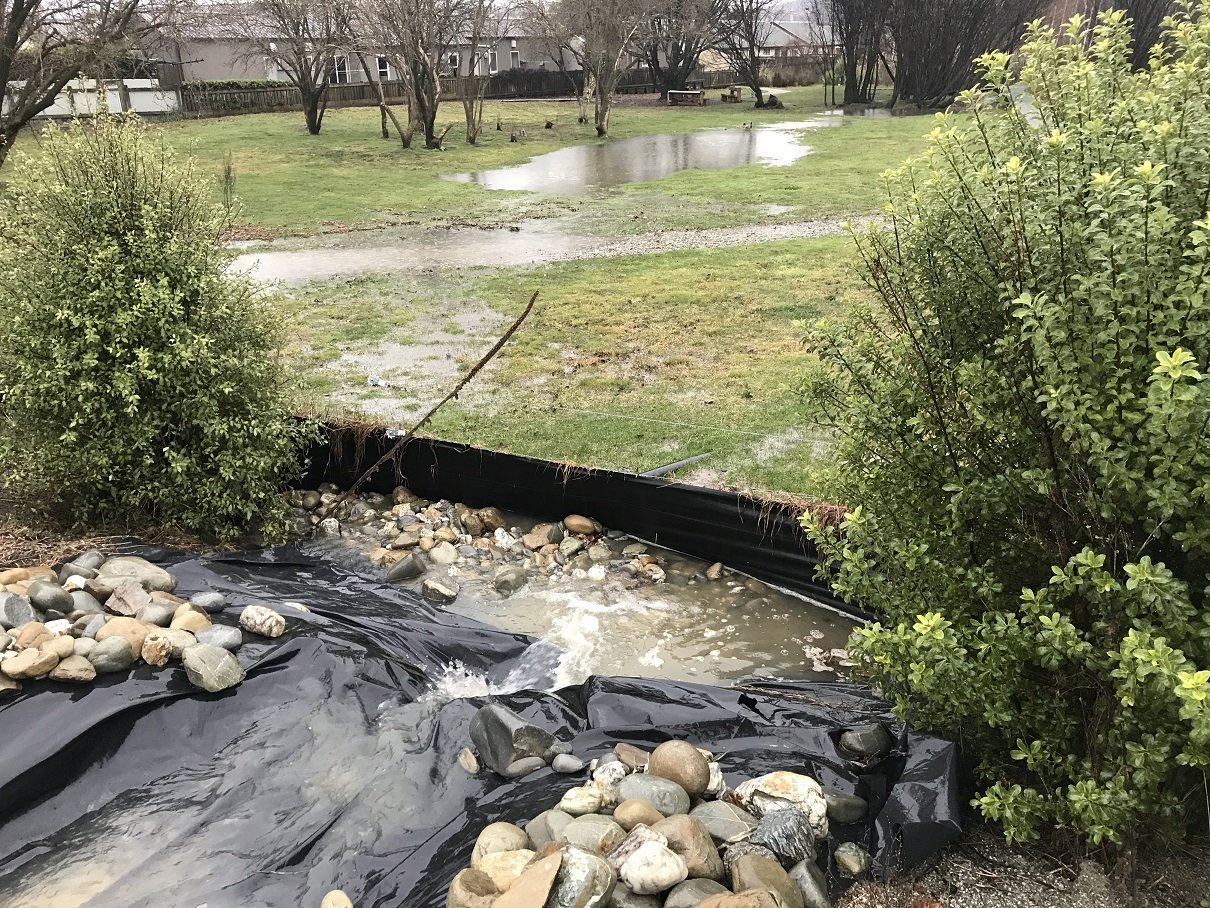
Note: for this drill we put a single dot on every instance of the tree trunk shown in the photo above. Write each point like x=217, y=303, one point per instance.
x=312, y=113
x=602, y=114
x=7, y=138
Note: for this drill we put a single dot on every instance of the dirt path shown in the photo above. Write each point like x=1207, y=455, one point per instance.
x=530, y=243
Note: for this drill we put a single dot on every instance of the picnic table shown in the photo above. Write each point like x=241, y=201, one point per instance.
x=688, y=96
x=733, y=95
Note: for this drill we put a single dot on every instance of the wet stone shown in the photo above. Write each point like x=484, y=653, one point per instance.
x=546, y=827
x=584, y=880
x=508, y=579
x=845, y=808
x=439, y=590
x=523, y=767
x=868, y=742
x=407, y=568
x=812, y=885
x=502, y=737
x=665, y=796
x=788, y=834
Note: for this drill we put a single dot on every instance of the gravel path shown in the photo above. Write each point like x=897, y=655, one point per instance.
x=530, y=243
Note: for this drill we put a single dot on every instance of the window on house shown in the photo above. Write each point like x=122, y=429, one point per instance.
x=455, y=62
x=384, y=69
x=515, y=59
x=491, y=62
x=339, y=73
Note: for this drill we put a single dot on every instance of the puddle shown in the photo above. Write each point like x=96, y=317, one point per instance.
x=583, y=168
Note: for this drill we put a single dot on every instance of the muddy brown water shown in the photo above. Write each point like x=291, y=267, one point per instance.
x=584, y=168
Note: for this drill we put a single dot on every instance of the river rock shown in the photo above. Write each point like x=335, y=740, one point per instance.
x=85, y=602
x=439, y=590
x=788, y=834
x=15, y=611
x=502, y=737
x=633, y=812
x=780, y=789
x=259, y=619
x=209, y=601
x=566, y=764
x=189, y=618
x=44, y=595
x=546, y=827
x=593, y=833
x=8, y=686
x=328, y=528
x=652, y=868
x=737, y=850
x=584, y=880
x=634, y=758
x=178, y=639
x=623, y=897
x=508, y=579
x=582, y=525
x=157, y=649
x=505, y=866
x=869, y=742
x=409, y=567
x=750, y=898
x=692, y=893
x=610, y=773
x=690, y=839
x=62, y=646
x=682, y=763
x=523, y=767
x=471, y=888
x=147, y=574
x=156, y=614
x=5, y=642
x=13, y=575
x=33, y=634
x=30, y=663
x=582, y=800
x=336, y=899
x=443, y=553
x=754, y=871
x=93, y=627
x=229, y=638
x=211, y=668
x=725, y=822
x=128, y=598
x=133, y=630
x=90, y=560
x=113, y=654
x=532, y=888
x=498, y=837
x=73, y=670
x=852, y=859
x=570, y=547
x=844, y=808
x=83, y=646
x=600, y=552
x=812, y=885
x=664, y=795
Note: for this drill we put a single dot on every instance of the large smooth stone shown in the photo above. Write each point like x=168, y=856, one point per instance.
x=44, y=595
x=593, y=832
x=30, y=663
x=15, y=611
x=776, y=790
x=653, y=868
x=133, y=630
x=155, y=614
x=229, y=638
x=211, y=668
x=86, y=603
x=754, y=871
x=788, y=834
x=634, y=758
x=407, y=568
x=632, y=812
x=869, y=742
x=725, y=822
x=471, y=888
x=582, y=800
x=113, y=654
x=845, y=808
x=33, y=634
x=502, y=737
x=73, y=670
x=262, y=620
x=546, y=827
x=812, y=884
x=498, y=837
x=209, y=601
x=682, y=763
x=508, y=579
x=532, y=888
x=635, y=839
x=692, y=893
x=505, y=866
x=736, y=850
x=690, y=839
x=180, y=640
x=148, y=575
x=584, y=880
x=665, y=796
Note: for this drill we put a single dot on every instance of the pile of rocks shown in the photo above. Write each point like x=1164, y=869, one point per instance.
x=410, y=537
x=97, y=615
x=658, y=829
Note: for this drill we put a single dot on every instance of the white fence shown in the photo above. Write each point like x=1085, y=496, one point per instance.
x=143, y=96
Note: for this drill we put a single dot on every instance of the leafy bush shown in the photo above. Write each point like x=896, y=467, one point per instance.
x=235, y=84
x=139, y=381
x=1022, y=429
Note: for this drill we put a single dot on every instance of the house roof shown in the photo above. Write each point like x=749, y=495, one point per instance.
x=790, y=33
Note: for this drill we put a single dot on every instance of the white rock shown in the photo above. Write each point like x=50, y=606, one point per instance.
x=611, y=773
x=653, y=868
x=579, y=801
x=74, y=582
x=59, y=626
x=777, y=790
x=259, y=619
x=505, y=866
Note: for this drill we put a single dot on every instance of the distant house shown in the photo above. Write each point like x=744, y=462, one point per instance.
x=790, y=39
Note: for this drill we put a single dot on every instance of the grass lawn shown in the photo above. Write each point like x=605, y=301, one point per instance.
x=631, y=362
x=290, y=182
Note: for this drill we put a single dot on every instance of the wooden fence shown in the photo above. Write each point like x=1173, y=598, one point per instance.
x=198, y=101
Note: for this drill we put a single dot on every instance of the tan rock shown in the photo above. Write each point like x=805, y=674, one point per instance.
x=682, y=763
x=755, y=871
x=30, y=663
x=259, y=619
x=632, y=812
x=32, y=634
x=505, y=866
x=13, y=575
x=73, y=670
x=336, y=899
x=62, y=646
x=42, y=572
x=8, y=685
x=582, y=525
x=749, y=898
x=21, y=588
x=471, y=889
x=688, y=837
x=185, y=620
x=532, y=887
x=159, y=597
x=133, y=630
x=179, y=639
x=498, y=837
x=157, y=649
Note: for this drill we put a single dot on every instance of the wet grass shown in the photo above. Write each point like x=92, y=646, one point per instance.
x=640, y=361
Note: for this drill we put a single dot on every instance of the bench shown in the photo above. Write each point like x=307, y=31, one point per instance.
x=695, y=96
x=733, y=95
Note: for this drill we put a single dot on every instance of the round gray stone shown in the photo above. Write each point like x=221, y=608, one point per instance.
x=156, y=614
x=844, y=808
x=82, y=601
x=665, y=796
x=228, y=638
x=566, y=763
x=523, y=767
x=15, y=611
x=43, y=594
x=692, y=893
x=209, y=602
x=113, y=654
x=211, y=668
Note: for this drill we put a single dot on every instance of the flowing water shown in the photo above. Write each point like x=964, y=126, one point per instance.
x=583, y=168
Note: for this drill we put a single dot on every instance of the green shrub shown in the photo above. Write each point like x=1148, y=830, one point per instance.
x=1022, y=420
x=140, y=383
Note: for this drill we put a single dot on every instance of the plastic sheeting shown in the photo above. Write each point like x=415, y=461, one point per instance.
x=334, y=764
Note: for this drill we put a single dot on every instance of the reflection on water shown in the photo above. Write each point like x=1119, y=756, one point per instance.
x=580, y=168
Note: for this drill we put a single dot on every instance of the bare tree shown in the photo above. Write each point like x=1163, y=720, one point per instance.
x=1146, y=17
x=938, y=41
x=44, y=44
x=859, y=32
x=300, y=37
x=552, y=26
x=673, y=38
x=486, y=24
x=744, y=30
